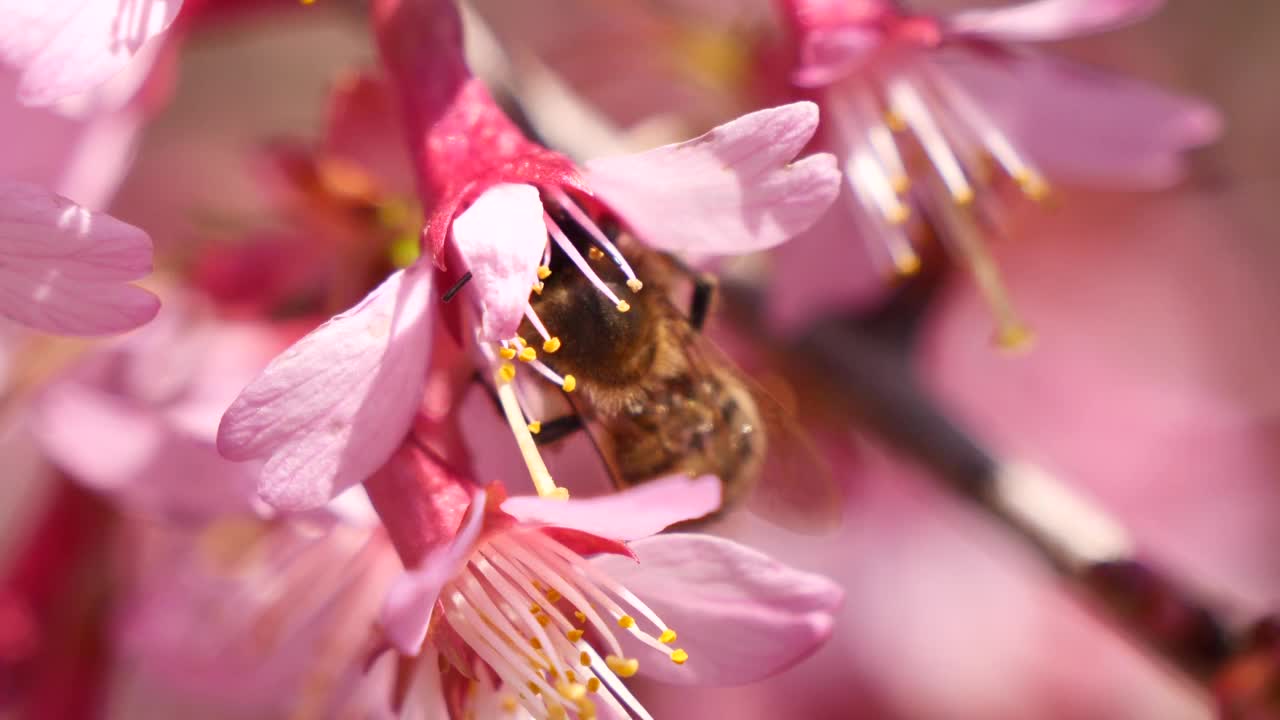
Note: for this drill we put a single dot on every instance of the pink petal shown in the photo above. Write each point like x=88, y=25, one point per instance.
x=634, y=513
x=740, y=615
x=334, y=406
x=67, y=47
x=1084, y=125
x=501, y=238
x=828, y=55
x=64, y=269
x=730, y=191
x=406, y=612
x=1048, y=20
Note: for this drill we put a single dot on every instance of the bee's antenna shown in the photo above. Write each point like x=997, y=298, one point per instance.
x=462, y=281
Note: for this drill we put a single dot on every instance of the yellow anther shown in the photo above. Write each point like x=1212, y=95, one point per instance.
x=544, y=272
x=585, y=658
x=557, y=712
x=535, y=608
x=509, y=704
x=593, y=685
x=623, y=306
x=622, y=667
x=553, y=596
x=626, y=622
x=895, y=121
x=679, y=656
x=635, y=284
x=1015, y=338
x=574, y=635
x=533, y=688
x=528, y=354
x=553, y=673
x=538, y=287
x=535, y=643
x=537, y=585
x=579, y=616
x=535, y=427
x=507, y=372
x=507, y=353
x=907, y=264
x=667, y=637
x=901, y=183
x=544, y=620
x=963, y=196
x=586, y=709
x=519, y=341
x=570, y=382
x=571, y=691
x=550, y=345
x=899, y=214
x=1033, y=185
x=595, y=254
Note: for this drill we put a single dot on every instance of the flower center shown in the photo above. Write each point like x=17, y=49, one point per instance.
x=525, y=602
x=913, y=122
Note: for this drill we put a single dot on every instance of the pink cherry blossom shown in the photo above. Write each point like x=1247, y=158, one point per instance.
x=65, y=269
x=517, y=576
x=68, y=47
x=337, y=404
x=964, y=95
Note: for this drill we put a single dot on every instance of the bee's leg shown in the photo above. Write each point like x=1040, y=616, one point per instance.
x=557, y=428
x=705, y=286
x=549, y=431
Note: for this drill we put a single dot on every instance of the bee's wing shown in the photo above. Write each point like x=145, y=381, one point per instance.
x=796, y=488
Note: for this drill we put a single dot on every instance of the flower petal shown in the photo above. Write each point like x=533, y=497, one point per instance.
x=1131, y=134
x=1047, y=20
x=406, y=612
x=740, y=615
x=501, y=237
x=64, y=269
x=334, y=406
x=730, y=191
x=67, y=47
x=634, y=513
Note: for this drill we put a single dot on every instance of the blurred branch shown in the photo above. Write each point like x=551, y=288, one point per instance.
x=1239, y=666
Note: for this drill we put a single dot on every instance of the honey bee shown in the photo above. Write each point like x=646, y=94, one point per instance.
x=657, y=398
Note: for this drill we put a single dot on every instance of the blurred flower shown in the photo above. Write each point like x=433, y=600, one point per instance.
x=516, y=594
x=65, y=269
x=924, y=110
x=133, y=415
x=68, y=47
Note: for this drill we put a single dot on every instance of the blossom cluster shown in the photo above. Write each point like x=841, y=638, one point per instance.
x=411, y=415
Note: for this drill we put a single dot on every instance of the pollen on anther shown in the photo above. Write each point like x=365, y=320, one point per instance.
x=585, y=659
x=545, y=620
x=626, y=622
x=533, y=688
x=535, y=608
x=509, y=704
x=535, y=643
x=507, y=353
x=579, y=616
x=507, y=372
x=538, y=287
x=544, y=272
x=568, y=385
x=528, y=354
x=553, y=596
x=535, y=427
x=622, y=667
x=595, y=253
x=635, y=284
x=550, y=345
x=667, y=637
x=574, y=635
x=623, y=306
x=679, y=656
x=593, y=685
